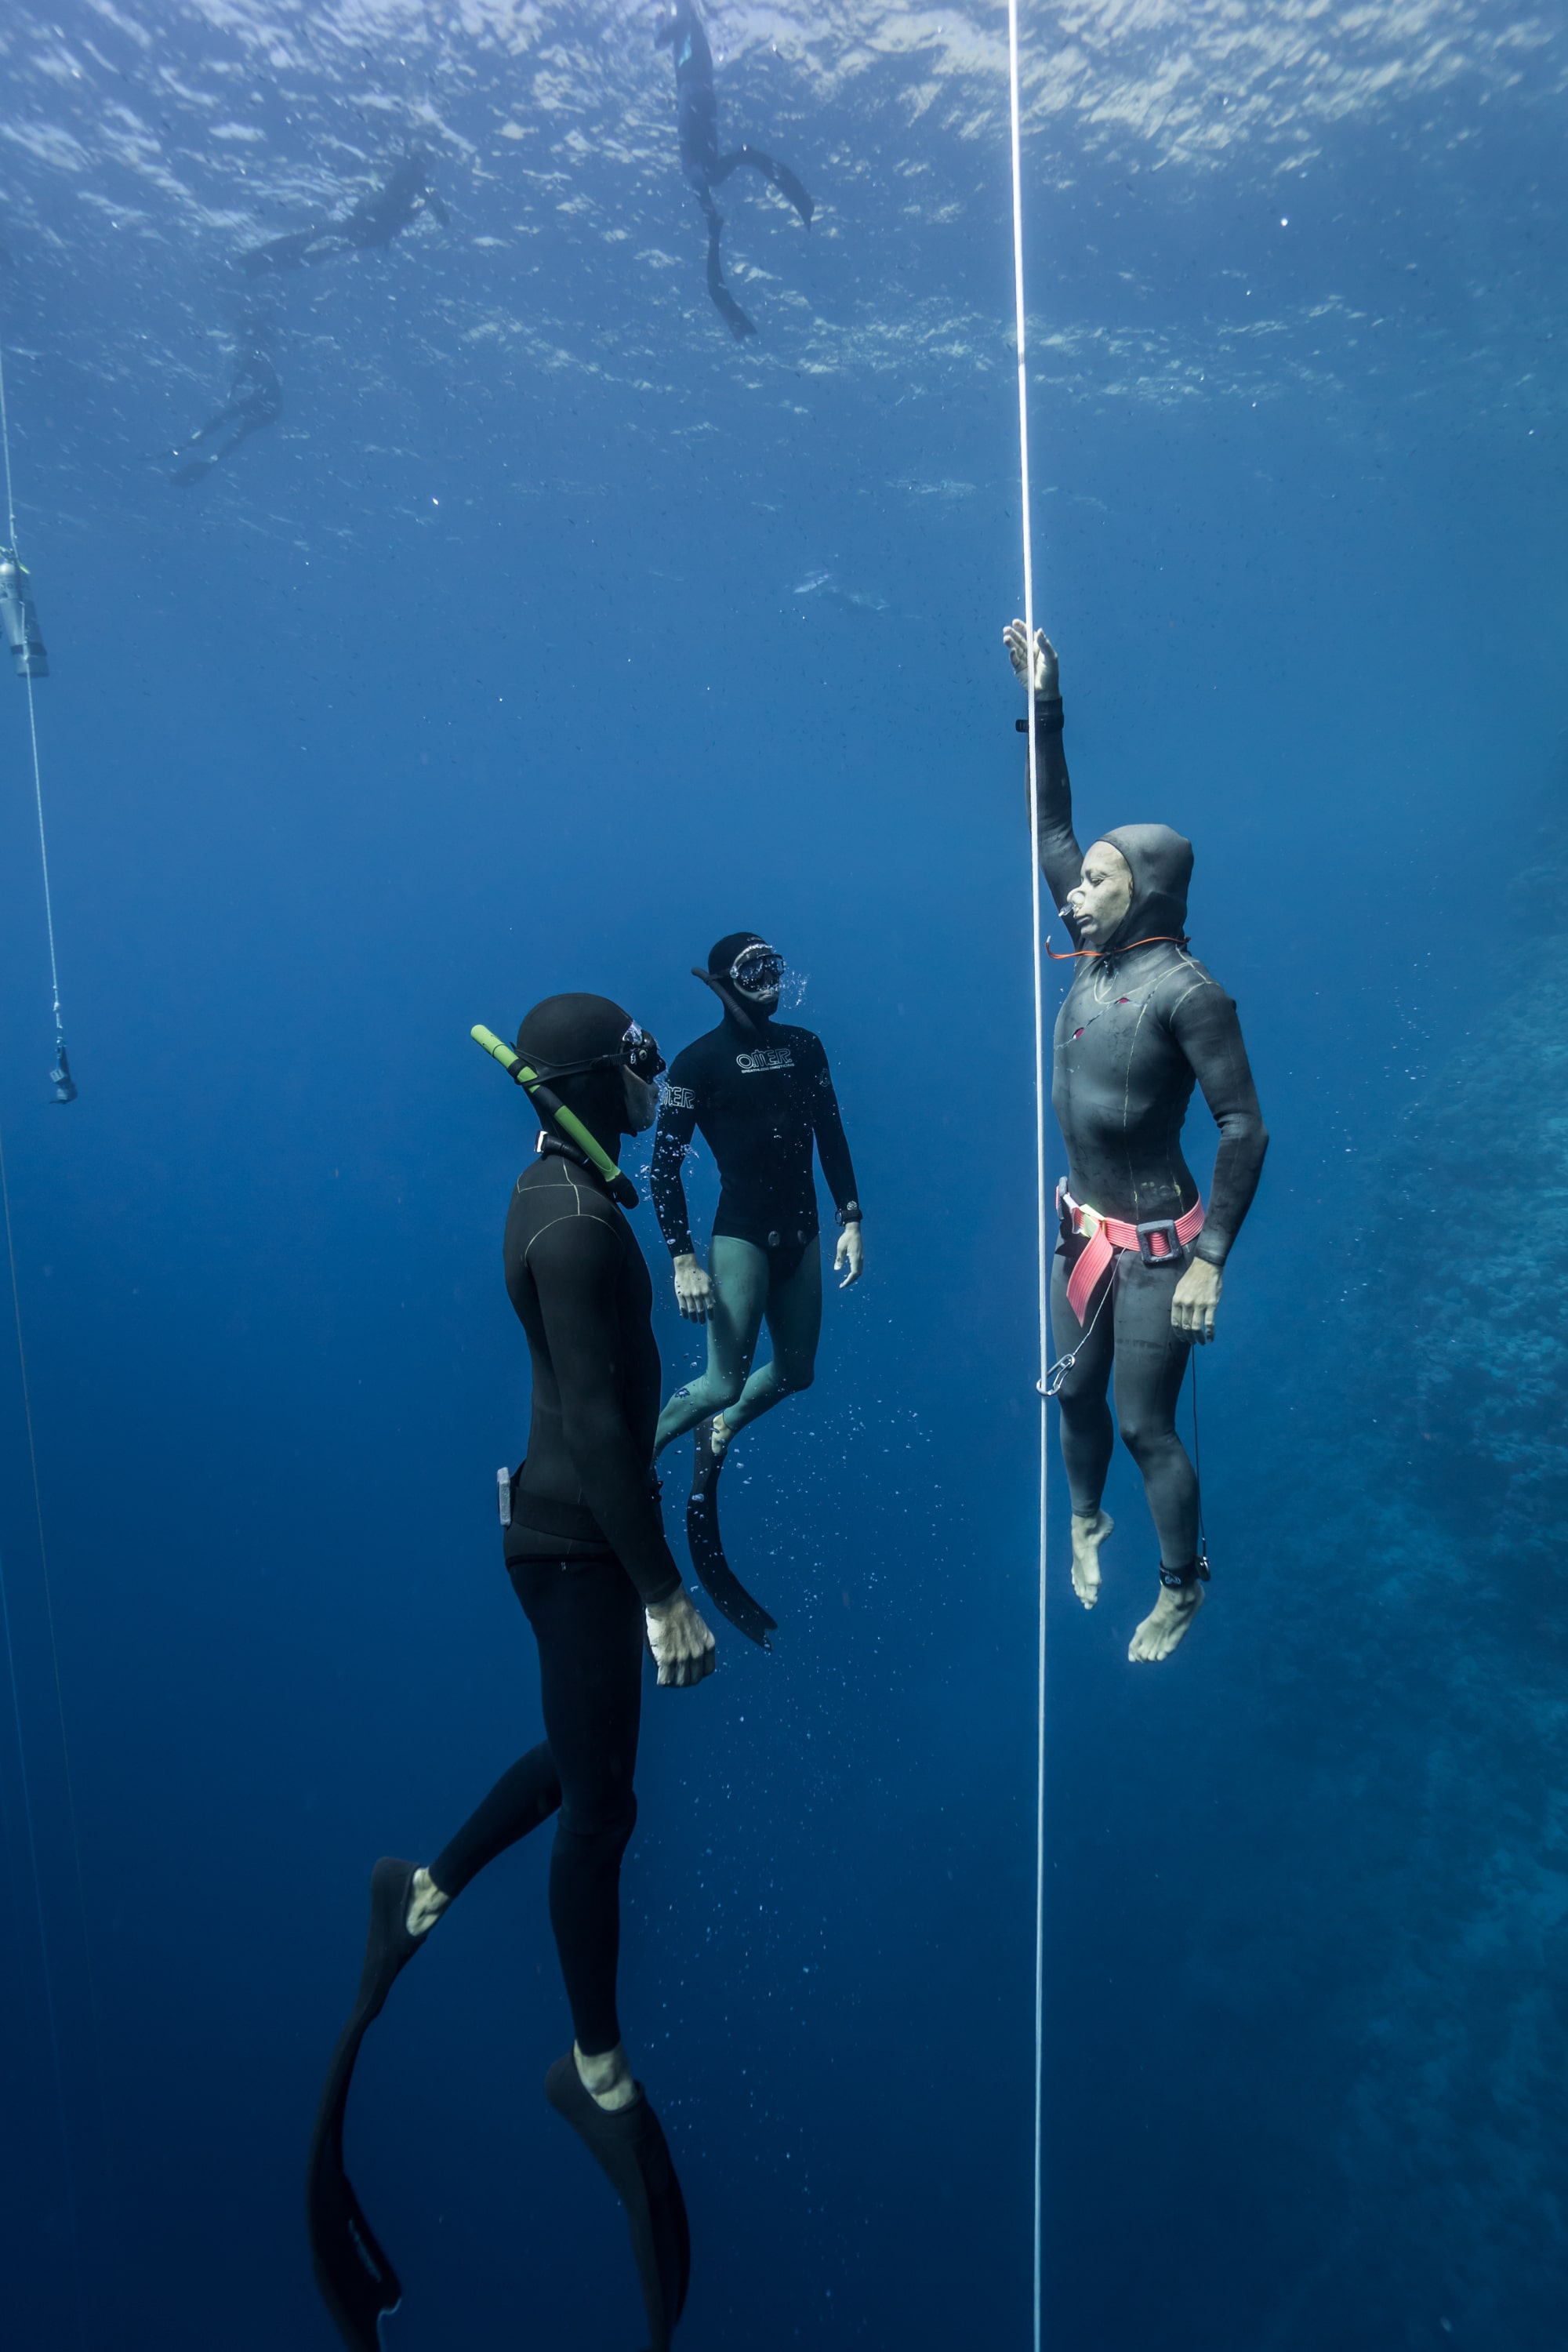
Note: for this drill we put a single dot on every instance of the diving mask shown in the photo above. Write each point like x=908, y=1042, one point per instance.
x=637, y=1052
x=758, y=971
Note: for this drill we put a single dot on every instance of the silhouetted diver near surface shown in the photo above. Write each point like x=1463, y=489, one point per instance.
x=255, y=400
x=1137, y=1275
x=697, y=118
x=374, y=221
x=585, y=1551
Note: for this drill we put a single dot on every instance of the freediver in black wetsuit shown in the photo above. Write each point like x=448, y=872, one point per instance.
x=697, y=120
x=761, y=1096
x=585, y=1551
x=255, y=400
x=1141, y=1023
x=374, y=221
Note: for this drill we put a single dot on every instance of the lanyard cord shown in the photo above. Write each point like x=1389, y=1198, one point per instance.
x=1077, y=955
x=32, y=723
x=1042, y=1232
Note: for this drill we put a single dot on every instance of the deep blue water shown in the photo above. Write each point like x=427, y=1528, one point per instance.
x=492, y=670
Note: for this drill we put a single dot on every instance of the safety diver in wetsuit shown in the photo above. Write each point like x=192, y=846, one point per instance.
x=254, y=401
x=761, y=1095
x=585, y=1551
x=374, y=221
x=1138, y=1273
x=697, y=127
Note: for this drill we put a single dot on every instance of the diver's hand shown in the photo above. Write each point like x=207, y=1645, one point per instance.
x=849, y=1257
x=693, y=1289
x=682, y=1644
x=1047, y=680
x=1194, y=1301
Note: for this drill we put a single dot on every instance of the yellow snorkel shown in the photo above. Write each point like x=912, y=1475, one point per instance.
x=548, y=1103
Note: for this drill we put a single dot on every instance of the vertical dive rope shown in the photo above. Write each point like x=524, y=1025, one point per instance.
x=65, y=1090
x=25, y=1784
x=1041, y=1235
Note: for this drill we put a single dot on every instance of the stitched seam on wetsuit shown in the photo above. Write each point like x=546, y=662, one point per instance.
x=1173, y=1181
x=567, y=1217
x=1127, y=1074
x=1127, y=1100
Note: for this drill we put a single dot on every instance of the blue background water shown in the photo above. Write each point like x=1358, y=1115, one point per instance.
x=494, y=670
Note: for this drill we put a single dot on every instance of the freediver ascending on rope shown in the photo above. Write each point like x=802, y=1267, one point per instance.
x=761, y=1096
x=1138, y=1271
x=585, y=1551
x=697, y=121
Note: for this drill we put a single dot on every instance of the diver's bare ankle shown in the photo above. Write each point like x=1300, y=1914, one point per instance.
x=1166, y=1624
x=607, y=2077
x=1090, y=1530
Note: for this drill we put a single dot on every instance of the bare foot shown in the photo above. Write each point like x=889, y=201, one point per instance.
x=1087, y=1535
x=1166, y=1624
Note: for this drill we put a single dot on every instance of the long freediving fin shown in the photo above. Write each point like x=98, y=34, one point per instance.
x=781, y=176
x=279, y=253
x=714, y=1574
x=357, y=2281
x=630, y=2146
x=728, y=309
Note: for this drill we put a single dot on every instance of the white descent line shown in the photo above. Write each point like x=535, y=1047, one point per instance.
x=32, y=716
x=1042, y=1257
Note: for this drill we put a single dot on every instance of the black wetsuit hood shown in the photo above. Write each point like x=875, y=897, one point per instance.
x=1161, y=866
x=575, y=1028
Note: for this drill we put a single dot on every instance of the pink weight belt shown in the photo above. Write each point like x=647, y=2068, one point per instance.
x=1162, y=1238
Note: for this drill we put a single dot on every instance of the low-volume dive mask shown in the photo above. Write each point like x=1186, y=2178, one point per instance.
x=637, y=1052
x=758, y=971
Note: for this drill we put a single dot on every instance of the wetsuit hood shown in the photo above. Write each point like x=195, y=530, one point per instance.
x=571, y=1029
x=1161, y=863
x=577, y=1028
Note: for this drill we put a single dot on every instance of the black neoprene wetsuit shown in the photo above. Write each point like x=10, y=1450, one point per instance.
x=585, y=1551
x=761, y=1095
x=375, y=220
x=697, y=123
x=1140, y=1025
x=576, y=1278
